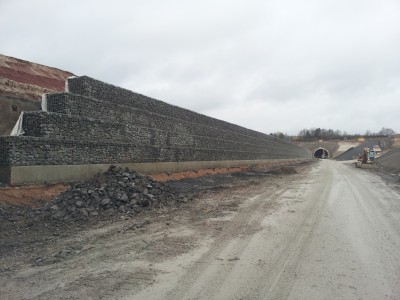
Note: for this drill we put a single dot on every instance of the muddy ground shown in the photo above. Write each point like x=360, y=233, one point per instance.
x=241, y=233
x=25, y=241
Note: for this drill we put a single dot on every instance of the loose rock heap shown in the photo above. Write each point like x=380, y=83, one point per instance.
x=116, y=191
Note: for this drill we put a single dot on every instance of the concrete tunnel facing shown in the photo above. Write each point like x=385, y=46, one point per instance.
x=321, y=153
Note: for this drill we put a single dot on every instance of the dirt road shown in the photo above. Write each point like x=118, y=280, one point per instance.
x=329, y=232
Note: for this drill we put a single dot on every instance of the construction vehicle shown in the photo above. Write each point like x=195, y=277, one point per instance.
x=367, y=157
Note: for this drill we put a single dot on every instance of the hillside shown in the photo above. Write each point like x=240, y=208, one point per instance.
x=22, y=84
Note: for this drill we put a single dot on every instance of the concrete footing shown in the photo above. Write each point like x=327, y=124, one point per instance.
x=18, y=175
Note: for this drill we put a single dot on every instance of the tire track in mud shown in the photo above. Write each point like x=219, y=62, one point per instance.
x=233, y=240
x=279, y=279
x=376, y=227
x=208, y=276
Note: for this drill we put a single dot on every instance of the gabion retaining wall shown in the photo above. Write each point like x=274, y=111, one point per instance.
x=92, y=88
x=159, y=134
x=27, y=151
x=77, y=105
x=98, y=123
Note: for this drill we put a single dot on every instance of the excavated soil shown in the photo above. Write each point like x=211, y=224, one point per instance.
x=267, y=233
x=320, y=231
x=390, y=160
x=30, y=195
x=26, y=239
x=195, y=173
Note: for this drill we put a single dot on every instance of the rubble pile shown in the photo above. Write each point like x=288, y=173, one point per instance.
x=116, y=191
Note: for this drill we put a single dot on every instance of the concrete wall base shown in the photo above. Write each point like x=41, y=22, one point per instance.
x=18, y=175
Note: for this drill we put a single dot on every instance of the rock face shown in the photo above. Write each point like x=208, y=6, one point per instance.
x=22, y=84
x=117, y=191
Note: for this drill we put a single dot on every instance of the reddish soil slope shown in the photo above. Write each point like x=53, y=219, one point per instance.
x=22, y=84
x=27, y=80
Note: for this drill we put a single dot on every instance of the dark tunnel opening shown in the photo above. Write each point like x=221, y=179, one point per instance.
x=321, y=153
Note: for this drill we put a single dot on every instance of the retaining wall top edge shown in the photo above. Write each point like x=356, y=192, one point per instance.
x=86, y=78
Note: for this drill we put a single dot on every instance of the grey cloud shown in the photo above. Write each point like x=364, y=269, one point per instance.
x=267, y=65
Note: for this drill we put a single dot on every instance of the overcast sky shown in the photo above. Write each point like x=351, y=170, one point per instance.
x=266, y=65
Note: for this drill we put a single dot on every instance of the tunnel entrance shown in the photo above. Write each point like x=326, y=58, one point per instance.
x=321, y=153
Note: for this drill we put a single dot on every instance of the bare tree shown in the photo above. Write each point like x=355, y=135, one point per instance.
x=386, y=131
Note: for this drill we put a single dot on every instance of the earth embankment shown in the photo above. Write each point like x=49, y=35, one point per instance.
x=22, y=84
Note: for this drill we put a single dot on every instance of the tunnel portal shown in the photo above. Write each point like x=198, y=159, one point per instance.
x=321, y=153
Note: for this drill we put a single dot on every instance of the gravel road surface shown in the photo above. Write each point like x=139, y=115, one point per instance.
x=331, y=231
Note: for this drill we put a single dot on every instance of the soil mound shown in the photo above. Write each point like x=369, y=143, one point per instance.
x=390, y=160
